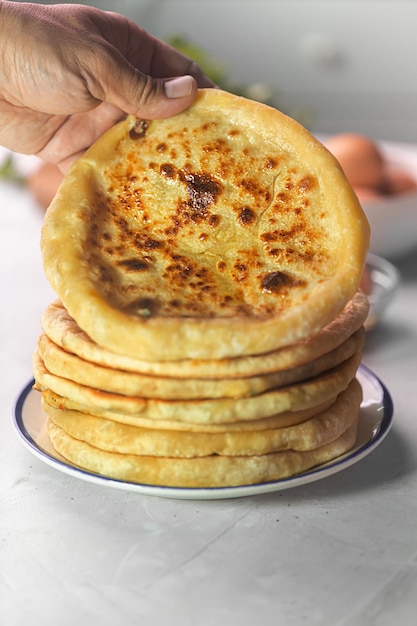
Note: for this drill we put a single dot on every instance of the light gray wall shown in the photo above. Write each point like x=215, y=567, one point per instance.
x=348, y=64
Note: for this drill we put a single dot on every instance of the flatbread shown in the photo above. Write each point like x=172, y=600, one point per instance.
x=281, y=420
x=223, y=231
x=61, y=363
x=299, y=396
x=123, y=439
x=59, y=326
x=209, y=471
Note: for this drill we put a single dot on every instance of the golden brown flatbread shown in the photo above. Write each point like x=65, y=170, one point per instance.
x=208, y=471
x=223, y=231
x=59, y=326
x=108, y=435
x=281, y=420
x=61, y=363
x=296, y=397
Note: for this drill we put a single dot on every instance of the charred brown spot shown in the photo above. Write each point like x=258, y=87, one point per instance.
x=168, y=170
x=282, y=197
x=180, y=269
x=240, y=271
x=249, y=185
x=282, y=235
x=252, y=187
x=274, y=282
x=271, y=163
x=246, y=216
x=133, y=265
x=144, y=307
x=103, y=274
x=221, y=266
x=122, y=223
x=208, y=125
x=219, y=145
x=139, y=129
x=173, y=230
x=202, y=272
x=142, y=242
x=202, y=190
x=161, y=147
x=269, y=237
x=286, y=235
x=153, y=244
x=306, y=183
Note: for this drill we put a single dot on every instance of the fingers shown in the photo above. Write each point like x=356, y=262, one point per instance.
x=179, y=87
x=155, y=99
x=116, y=82
x=76, y=133
x=164, y=61
x=146, y=52
x=144, y=76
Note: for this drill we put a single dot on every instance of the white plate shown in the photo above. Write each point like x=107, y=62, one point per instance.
x=374, y=423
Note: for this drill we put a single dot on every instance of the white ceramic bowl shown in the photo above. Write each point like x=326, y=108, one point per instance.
x=384, y=280
x=393, y=219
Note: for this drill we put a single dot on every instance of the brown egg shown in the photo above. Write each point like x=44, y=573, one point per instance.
x=397, y=182
x=360, y=158
x=367, y=194
x=44, y=182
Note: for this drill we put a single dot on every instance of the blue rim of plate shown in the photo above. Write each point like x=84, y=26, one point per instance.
x=380, y=430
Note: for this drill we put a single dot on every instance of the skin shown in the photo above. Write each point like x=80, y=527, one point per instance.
x=69, y=72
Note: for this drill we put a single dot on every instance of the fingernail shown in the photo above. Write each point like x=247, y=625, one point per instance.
x=179, y=87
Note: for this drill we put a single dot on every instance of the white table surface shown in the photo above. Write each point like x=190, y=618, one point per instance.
x=340, y=551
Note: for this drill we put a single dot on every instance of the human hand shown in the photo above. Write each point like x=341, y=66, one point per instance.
x=69, y=72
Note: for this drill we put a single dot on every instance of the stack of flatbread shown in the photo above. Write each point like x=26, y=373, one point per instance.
x=209, y=325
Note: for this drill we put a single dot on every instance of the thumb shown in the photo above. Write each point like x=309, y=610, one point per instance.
x=139, y=94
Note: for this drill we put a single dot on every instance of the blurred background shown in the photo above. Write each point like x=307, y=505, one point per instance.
x=336, y=65
x=345, y=69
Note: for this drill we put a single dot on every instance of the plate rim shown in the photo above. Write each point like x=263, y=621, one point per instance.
x=320, y=472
